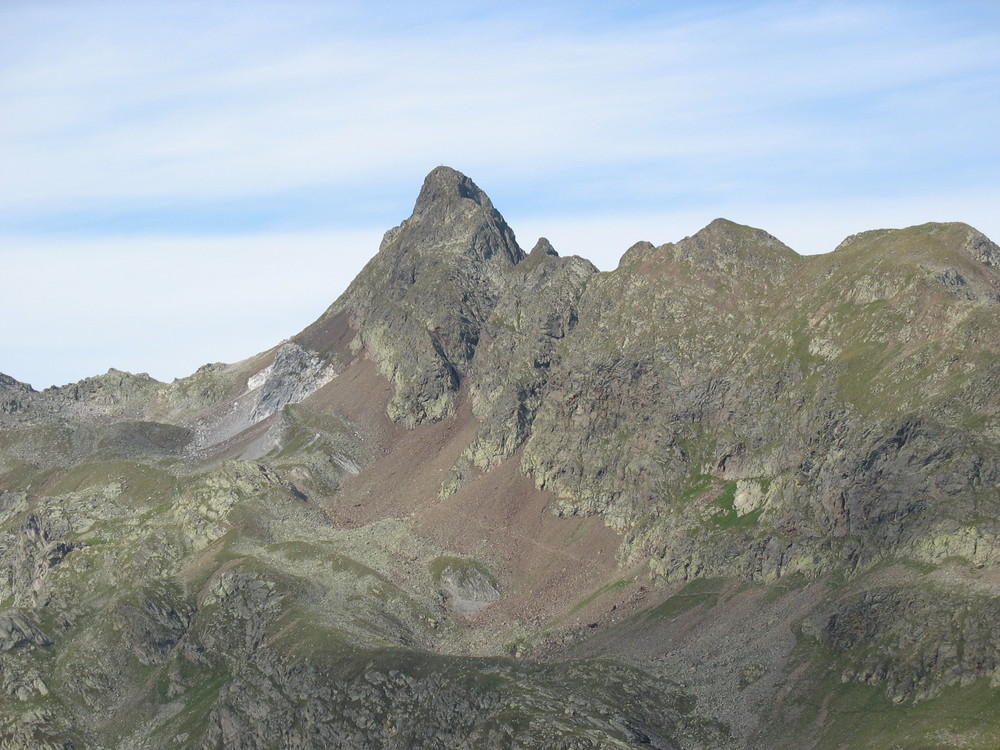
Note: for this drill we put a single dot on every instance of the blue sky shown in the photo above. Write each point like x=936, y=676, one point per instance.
x=188, y=182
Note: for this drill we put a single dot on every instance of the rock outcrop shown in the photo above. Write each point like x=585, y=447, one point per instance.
x=420, y=305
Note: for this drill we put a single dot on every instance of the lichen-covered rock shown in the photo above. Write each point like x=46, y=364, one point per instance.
x=915, y=643
x=421, y=304
x=726, y=358
x=15, y=396
x=467, y=587
x=534, y=315
x=18, y=631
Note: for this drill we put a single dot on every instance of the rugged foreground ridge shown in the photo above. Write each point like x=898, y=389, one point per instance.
x=722, y=497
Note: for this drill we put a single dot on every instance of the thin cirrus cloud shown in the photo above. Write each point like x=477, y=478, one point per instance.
x=185, y=122
x=209, y=116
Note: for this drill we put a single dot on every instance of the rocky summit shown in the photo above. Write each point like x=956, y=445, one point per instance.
x=724, y=496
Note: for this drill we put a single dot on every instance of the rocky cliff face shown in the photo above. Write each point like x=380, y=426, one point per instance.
x=721, y=497
x=420, y=305
x=831, y=408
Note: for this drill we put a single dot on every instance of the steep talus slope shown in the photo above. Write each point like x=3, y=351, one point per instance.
x=723, y=496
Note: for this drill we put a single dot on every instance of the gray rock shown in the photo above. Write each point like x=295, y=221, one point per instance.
x=420, y=305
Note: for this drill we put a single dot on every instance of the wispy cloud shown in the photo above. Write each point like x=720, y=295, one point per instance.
x=156, y=119
x=127, y=103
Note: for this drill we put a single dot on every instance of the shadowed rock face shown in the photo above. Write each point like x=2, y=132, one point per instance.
x=14, y=395
x=392, y=529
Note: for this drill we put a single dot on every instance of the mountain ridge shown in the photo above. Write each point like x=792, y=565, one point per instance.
x=977, y=246
x=724, y=496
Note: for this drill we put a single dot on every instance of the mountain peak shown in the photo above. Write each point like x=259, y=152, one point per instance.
x=425, y=297
x=453, y=217
x=444, y=184
x=942, y=241
x=543, y=247
x=723, y=241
